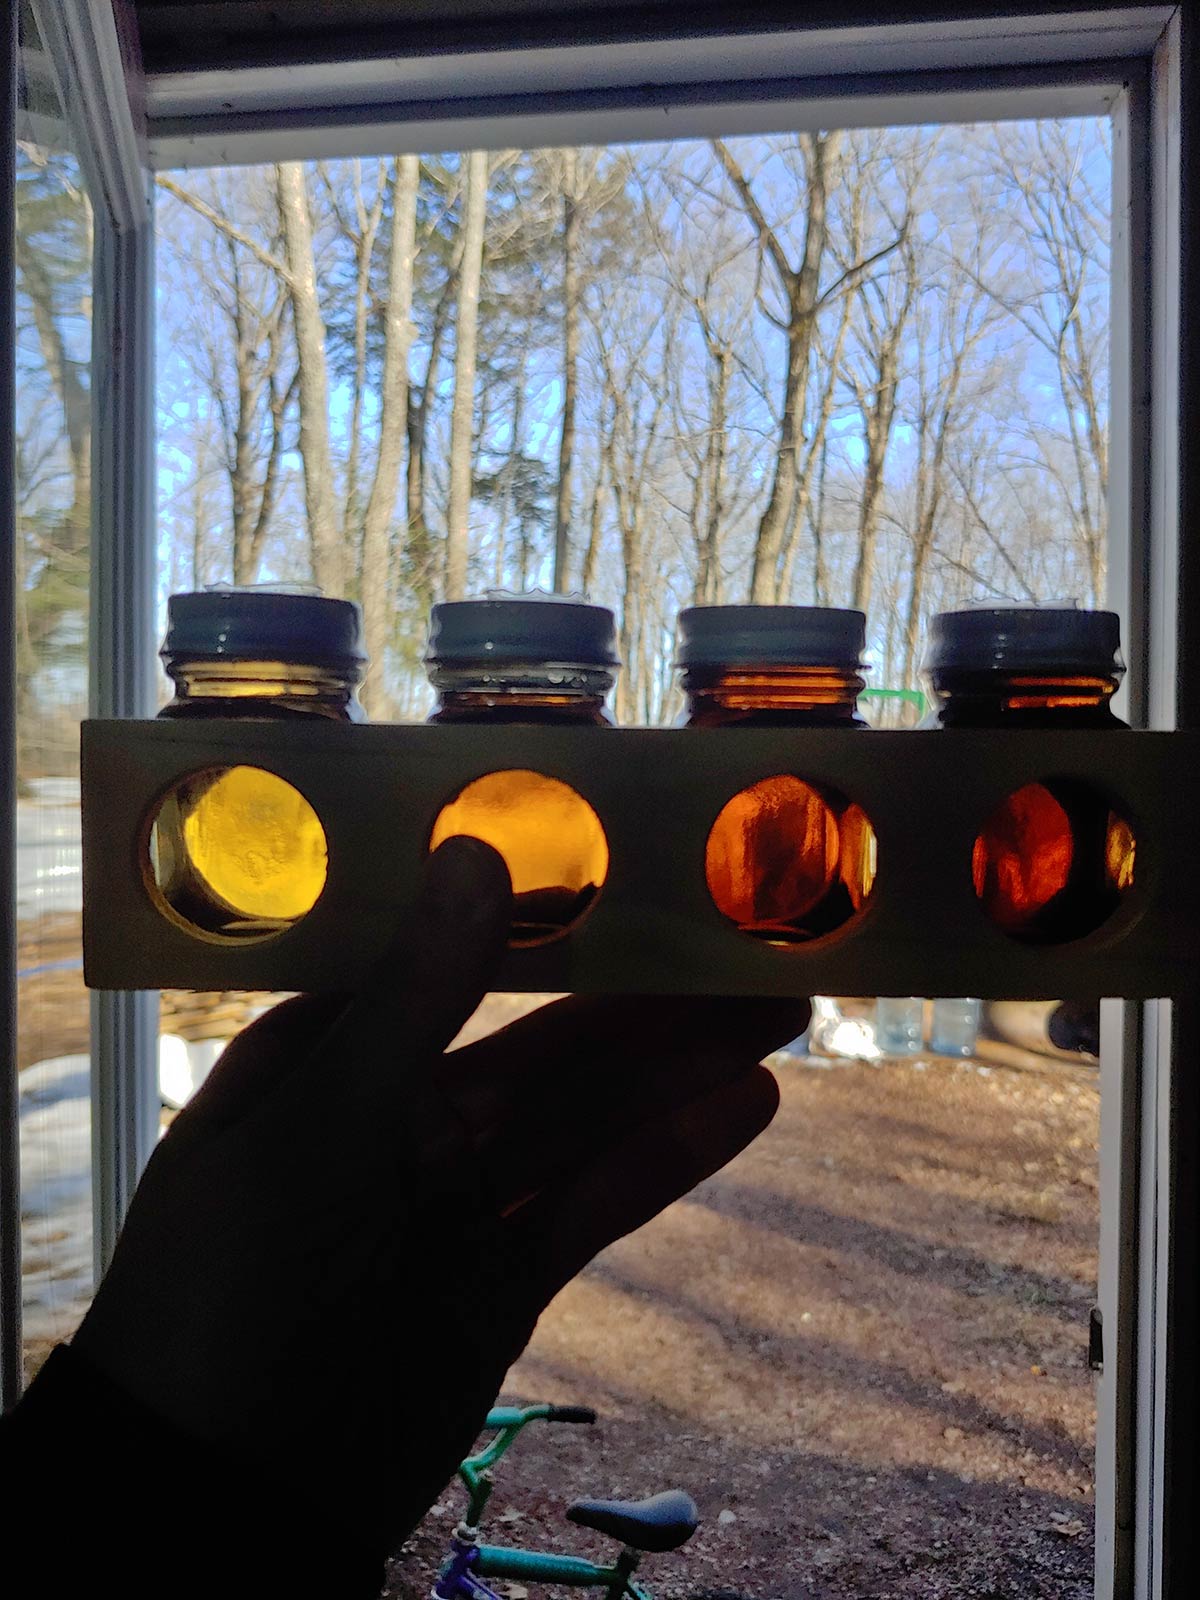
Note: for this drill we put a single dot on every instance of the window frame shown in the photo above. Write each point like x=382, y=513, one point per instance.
x=1131, y=62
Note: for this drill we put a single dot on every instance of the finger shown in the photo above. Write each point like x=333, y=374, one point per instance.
x=636, y=1178
x=547, y=1144
x=437, y=968
x=579, y=1058
x=380, y=1056
x=413, y=1000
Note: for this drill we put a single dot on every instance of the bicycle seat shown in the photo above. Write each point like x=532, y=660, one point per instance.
x=663, y=1522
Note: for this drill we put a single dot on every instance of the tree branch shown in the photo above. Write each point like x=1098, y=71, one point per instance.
x=766, y=234
x=858, y=267
x=203, y=209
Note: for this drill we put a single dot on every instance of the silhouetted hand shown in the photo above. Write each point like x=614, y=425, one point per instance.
x=346, y=1238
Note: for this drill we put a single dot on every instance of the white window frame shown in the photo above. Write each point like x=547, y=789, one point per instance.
x=1126, y=61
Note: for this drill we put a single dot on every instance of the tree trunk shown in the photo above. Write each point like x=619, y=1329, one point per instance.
x=249, y=388
x=249, y=536
x=803, y=291
x=280, y=399
x=878, y=418
x=566, y=447
x=328, y=555
x=199, y=513
x=629, y=683
x=930, y=488
x=463, y=409
x=814, y=455
x=708, y=565
x=515, y=451
x=364, y=250
x=774, y=520
x=595, y=528
x=398, y=333
x=820, y=563
x=419, y=542
x=912, y=627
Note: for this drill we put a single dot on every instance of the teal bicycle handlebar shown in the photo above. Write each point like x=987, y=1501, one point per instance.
x=517, y=1417
x=507, y=1421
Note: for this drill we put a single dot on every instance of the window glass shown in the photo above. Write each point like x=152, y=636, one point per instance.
x=53, y=488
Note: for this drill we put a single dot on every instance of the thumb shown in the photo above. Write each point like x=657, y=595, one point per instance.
x=440, y=962
x=425, y=986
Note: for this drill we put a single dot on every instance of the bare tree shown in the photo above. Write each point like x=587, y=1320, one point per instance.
x=360, y=230
x=1059, y=294
x=566, y=448
x=699, y=268
x=803, y=299
x=954, y=318
x=324, y=529
x=258, y=337
x=885, y=301
x=51, y=487
x=420, y=412
x=591, y=554
x=241, y=350
x=377, y=566
x=633, y=358
x=465, y=340
x=828, y=363
x=783, y=368
x=297, y=272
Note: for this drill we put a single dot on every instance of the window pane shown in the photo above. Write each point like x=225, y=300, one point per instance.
x=53, y=483
x=870, y=1333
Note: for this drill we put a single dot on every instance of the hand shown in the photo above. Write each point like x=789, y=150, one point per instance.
x=345, y=1240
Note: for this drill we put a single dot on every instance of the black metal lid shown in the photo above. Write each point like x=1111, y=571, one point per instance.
x=522, y=629
x=263, y=624
x=1026, y=639
x=771, y=636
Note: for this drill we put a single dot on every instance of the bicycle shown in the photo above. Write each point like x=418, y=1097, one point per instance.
x=662, y=1522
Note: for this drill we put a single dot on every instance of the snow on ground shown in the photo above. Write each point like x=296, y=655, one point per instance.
x=56, y=1196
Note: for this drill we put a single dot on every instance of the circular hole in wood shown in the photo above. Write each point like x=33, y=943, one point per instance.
x=551, y=840
x=788, y=862
x=1053, y=861
x=237, y=853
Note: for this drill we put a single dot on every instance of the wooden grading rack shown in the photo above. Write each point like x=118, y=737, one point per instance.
x=653, y=928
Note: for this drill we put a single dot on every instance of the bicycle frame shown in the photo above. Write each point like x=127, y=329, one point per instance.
x=469, y=1562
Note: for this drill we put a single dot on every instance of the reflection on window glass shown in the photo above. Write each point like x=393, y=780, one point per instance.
x=53, y=482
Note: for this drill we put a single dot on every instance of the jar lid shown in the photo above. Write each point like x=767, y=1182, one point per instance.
x=1026, y=639
x=771, y=636
x=263, y=624
x=523, y=629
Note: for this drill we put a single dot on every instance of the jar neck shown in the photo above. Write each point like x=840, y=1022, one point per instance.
x=820, y=696
x=263, y=688
x=981, y=698
x=518, y=706
x=520, y=692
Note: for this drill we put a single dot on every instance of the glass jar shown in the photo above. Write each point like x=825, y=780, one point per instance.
x=771, y=666
x=785, y=860
x=236, y=851
x=531, y=660
x=899, y=1024
x=1052, y=861
x=954, y=1026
